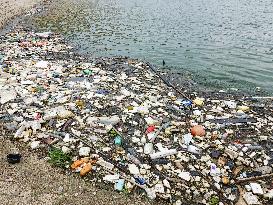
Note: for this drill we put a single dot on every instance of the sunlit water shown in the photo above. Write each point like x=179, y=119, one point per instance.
x=227, y=43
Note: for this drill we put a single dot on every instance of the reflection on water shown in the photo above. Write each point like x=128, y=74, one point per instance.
x=223, y=43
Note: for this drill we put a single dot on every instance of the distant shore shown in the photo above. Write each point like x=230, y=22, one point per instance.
x=12, y=8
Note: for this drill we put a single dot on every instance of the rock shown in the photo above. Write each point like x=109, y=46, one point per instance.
x=84, y=151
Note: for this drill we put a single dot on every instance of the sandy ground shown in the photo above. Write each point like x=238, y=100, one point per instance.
x=34, y=181
x=12, y=8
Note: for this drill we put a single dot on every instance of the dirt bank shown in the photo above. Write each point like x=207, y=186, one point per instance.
x=34, y=181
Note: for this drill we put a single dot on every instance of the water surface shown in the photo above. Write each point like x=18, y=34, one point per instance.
x=227, y=43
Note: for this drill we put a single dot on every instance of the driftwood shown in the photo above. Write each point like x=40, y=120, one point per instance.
x=254, y=178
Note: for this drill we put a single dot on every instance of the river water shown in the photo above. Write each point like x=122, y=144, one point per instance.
x=227, y=43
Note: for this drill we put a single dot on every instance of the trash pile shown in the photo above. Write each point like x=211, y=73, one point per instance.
x=124, y=126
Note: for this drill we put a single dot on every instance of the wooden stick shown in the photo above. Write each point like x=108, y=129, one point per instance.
x=254, y=178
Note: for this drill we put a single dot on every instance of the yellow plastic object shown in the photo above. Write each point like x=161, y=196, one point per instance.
x=225, y=180
x=198, y=101
x=244, y=108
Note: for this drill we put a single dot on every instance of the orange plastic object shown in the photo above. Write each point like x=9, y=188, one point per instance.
x=79, y=162
x=198, y=130
x=86, y=169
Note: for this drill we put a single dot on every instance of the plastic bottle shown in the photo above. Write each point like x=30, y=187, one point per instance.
x=164, y=153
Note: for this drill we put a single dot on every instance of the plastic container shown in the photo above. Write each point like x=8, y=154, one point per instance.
x=14, y=158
